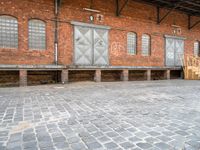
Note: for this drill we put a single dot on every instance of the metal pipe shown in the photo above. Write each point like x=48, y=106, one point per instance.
x=56, y=7
x=56, y=34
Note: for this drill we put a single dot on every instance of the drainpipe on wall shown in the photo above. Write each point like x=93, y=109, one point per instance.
x=56, y=33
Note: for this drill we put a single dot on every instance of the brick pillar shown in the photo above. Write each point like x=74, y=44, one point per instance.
x=97, y=76
x=167, y=74
x=64, y=76
x=23, y=78
x=148, y=75
x=124, y=75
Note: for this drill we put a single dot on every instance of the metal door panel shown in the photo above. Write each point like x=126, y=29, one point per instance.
x=170, y=45
x=82, y=45
x=100, y=47
x=179, y=51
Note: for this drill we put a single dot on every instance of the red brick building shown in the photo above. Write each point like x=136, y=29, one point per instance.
x=66, y=40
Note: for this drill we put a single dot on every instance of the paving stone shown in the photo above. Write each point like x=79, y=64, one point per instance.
x=168, y=133
x=163, y=146
x=195, y=144
x=61, y=145
x=94, y=145
x=132, y=129
x=126, y=134
x=134, y=139
x=151, y=140
x=59, y=139
x=177, y=144
x=44, y=138
x=153, y=133
x=14, y=145
x=97, y=134
x=111, y=145
x=127, y=145
x=183, y=133
x=45, y=144
x=119, y=139
x=141, y=134
x=119, y=129
x=112, y=134
x=144, y=145
x=89, y=139
x=104, y=139
x=73, y=140
x=29, y=137
x=164, y=138
x=15, y=137
x=29, y=145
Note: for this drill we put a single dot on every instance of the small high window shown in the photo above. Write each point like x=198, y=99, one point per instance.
x=196, y=48
x=146, y=45
x=131, y=43
x=37, y=34
x=8, y=32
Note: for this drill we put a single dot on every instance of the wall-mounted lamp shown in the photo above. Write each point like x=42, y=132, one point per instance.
x=91, y=18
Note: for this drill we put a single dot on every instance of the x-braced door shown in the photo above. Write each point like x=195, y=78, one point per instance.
x=174, y=51
x=91, y=46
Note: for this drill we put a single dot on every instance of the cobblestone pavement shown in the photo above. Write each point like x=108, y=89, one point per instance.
x=152, y=115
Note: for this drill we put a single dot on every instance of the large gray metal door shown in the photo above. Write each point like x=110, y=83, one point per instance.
x=91, y=46
x=179, y=51
x=170, y=46
x=83, y=45
x=174, y=51
x=100, y=47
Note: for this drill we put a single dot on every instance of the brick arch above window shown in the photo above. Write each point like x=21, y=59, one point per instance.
x=132, y=43
x=8, y=32
x=146, y=44
x=37, y=34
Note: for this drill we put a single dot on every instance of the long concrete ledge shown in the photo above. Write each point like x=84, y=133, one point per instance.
x=122, y=67
x=73, y=67
x=32, y=67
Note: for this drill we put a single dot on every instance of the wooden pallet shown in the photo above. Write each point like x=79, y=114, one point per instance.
x=191, y=67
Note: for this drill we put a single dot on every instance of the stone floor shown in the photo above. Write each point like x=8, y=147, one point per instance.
x=154, y=115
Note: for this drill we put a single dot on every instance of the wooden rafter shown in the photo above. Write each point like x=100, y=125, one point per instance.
x=159, y=18
x=118, y=9
x=190, y=25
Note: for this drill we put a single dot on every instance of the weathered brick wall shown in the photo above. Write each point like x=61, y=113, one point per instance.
x=24, y=10
x=135, y=17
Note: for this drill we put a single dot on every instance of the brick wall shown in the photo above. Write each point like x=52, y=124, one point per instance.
x=136, y=17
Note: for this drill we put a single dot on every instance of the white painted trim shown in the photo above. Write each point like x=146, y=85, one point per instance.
x=90, y=25
x=175, y=37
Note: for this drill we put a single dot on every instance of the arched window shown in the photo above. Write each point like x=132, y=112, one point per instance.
x=8, y=32
x=146, y=45
x=131, y=43
x=37, y=34
x=196, y=48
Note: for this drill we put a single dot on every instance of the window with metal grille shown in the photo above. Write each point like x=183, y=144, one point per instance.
x=8, y=32
x=37, y=34
x=196, y=48
x=146, y=45
x=131, y=43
